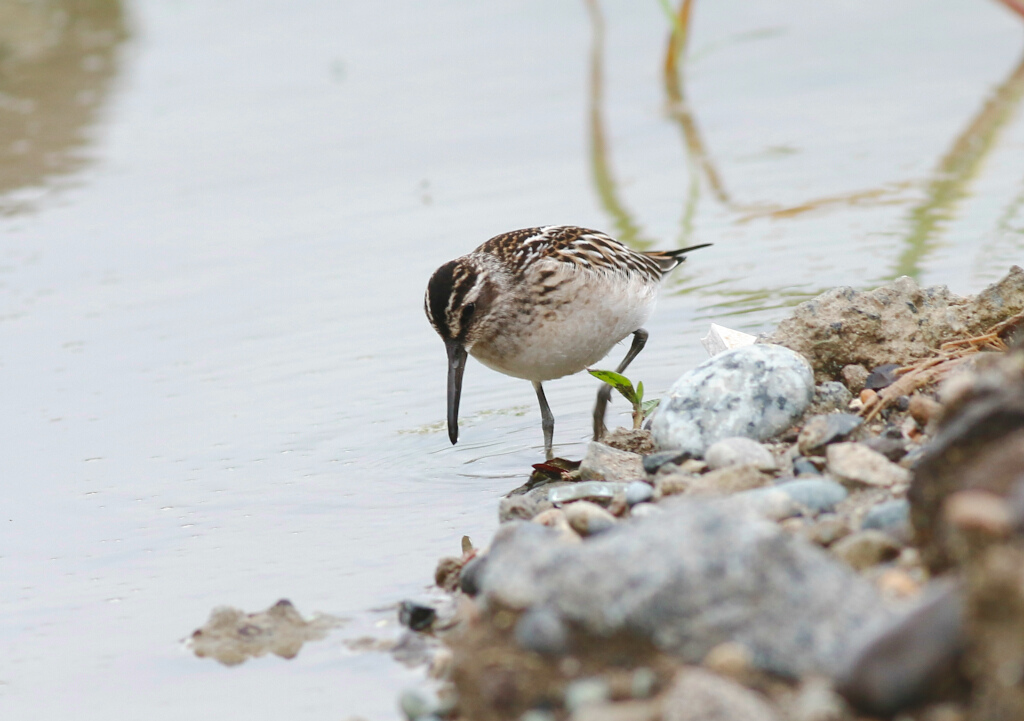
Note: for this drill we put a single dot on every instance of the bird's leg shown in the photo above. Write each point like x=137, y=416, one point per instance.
x=547, y=421
x=604, y=395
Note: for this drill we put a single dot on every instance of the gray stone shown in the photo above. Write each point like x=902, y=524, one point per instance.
x=819, y=431
x=739, y=451
x=653, y=461
x=819, y=495
x=769, y=502
x=588, y=518
x=756, y=391
x=699, y=695
x=585, y=490
x=416, y=704
x=856, y=464
x=639, y=492
x=827, y=530
x=525, y=506
x=604, y=463
x=805, y=467
x=701, y=573
x=541, y=630
x=731, y=479
x=891, y=516
x=831, y=396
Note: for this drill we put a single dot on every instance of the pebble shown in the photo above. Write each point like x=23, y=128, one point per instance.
x=756, y=391
x=602, y=462
x=854, y=376
x=805, y=467
x=730, y=658
x=977, y=510
x=639, y=492
x=728, y=480
x=739, y=451
x=585, y=490
x=831, y=396
x=855, y=463
x=416, y=616
x=469, y=579
x=537, y=714
x=541, y=630
x=586, y=692
x=770, y=502
x=893, y=517
x=644, y=683
x=867, y=397
x=645, y=509
x=816, y=701
x=923, y=409
x=881, y=377
x=653, y=461
x=819, y=431
x=699, y=695
x=865, y=549
x=817, y=495
x=827, y=530
x=555, y=518
x=892, y=448
x=587, y=518
x=897, y=584
x=416, y=705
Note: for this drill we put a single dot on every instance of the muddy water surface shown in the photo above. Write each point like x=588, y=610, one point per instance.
x=217, y=223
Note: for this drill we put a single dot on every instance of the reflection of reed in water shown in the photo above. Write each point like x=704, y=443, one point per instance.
x=942, y=191
x=57, y=60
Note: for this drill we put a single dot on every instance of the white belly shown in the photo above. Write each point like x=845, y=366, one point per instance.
x=586, y=317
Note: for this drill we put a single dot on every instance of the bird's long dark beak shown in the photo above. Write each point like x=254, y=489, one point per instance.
x=456, y=366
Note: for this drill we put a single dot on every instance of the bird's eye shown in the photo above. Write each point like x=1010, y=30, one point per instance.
x=470, y=308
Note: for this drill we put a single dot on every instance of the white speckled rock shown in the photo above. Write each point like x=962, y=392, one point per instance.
x=756, y=391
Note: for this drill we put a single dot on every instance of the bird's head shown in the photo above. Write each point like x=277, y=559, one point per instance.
x=459, y=304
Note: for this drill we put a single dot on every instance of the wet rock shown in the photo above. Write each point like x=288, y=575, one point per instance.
x=910, y=660
x=820, y=431
x=881, y=377
x=865, y=549
x=639, y=492
x=586, y=490
x=416, y=616
x=698, y=695
x=855, y=376
x=610, y=464
x=897, y=323
x=665, y=578
x=739, y=451
x=829, y=397
x=856, y=464
x=587, y=518
x=755, y=391
x=542, y=631
x=893, y=517
x=232, y=636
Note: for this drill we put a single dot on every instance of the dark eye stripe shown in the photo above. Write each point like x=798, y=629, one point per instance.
x=439, y=290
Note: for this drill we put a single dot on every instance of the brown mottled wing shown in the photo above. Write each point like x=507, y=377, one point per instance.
x=584, y=248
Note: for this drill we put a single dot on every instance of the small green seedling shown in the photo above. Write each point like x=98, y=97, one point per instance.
x=635, y=396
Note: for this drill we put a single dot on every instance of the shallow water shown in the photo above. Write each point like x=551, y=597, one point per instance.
x=218, y=221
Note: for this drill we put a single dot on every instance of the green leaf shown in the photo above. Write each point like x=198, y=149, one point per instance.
x=649, y=406
x=640, y=392
x=617, y=381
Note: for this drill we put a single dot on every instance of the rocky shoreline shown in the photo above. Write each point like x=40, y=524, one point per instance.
x=825, y=525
